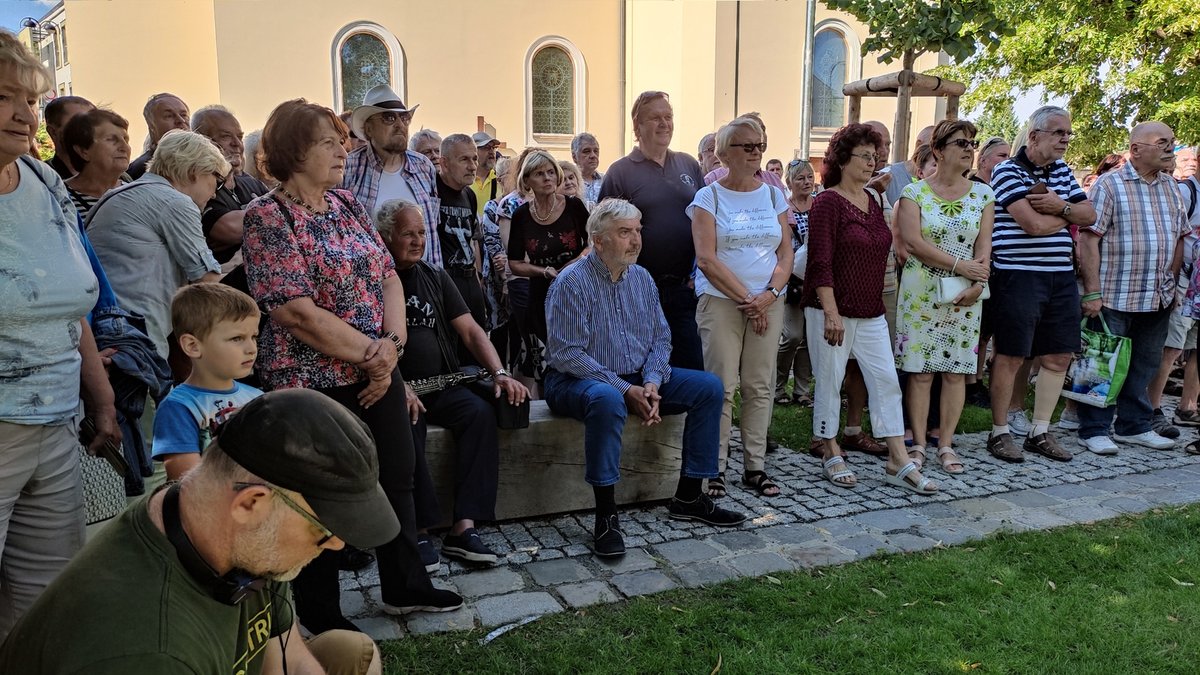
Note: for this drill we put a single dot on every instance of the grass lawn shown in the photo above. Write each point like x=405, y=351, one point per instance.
x=1118, y=597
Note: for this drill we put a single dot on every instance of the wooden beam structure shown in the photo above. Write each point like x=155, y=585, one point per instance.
x=903, y=84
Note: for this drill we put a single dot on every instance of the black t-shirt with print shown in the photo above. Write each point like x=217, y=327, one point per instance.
x=458, y=227
x=422, y=354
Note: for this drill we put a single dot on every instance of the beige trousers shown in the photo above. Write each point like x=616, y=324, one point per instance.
x=345, y=652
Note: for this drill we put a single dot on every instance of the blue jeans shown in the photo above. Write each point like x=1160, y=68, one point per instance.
x=679, y=306
x=601, y=407
x=1148, y=331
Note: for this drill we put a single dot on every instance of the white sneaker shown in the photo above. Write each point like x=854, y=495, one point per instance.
x=1101, y=445
x=1069, y=421
x=1018, y=423
x=1148, y=439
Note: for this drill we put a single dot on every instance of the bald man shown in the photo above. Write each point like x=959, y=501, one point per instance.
x=1129, y=260
x=902, y=172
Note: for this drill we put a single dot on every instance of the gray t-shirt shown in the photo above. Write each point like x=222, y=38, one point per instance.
x=900, y=180
x=147, y=235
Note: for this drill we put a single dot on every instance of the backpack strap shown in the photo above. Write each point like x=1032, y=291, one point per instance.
x=1191, y=183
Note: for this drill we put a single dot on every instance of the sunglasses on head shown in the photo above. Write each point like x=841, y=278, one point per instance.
x=750, y=147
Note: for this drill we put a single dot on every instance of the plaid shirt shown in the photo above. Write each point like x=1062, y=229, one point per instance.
x=1139, y=223
x=362, y=174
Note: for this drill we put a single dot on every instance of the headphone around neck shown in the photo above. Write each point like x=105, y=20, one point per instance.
x=230, y=588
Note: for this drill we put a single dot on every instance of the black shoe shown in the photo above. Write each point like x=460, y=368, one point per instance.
x=467, y=546
x=429, y=553
x=327, y=621
x=1162, y=426
x=432, y=600
x=772, y=446
x=609, y=542
x=703, y=510
x=352, y=559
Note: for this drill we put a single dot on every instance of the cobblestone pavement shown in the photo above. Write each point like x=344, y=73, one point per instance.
x=546, y=565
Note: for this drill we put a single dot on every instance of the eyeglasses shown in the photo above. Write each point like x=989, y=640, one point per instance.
x=1162, y=144
x=866, y=157
x=220, y=178
x=390, y=118
x=965, y=143
x=293, y=506
x=750, y=147
x=1058, y=133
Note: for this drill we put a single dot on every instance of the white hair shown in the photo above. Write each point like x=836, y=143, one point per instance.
x=607, y=211
x=385, y=217
x=183, y=155
x=423, y=135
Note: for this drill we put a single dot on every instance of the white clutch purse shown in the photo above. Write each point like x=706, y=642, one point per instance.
x=951, y=287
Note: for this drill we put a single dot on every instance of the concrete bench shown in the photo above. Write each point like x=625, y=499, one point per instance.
x=541, y=467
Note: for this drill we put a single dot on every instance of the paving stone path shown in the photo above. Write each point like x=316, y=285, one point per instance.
x=546, y=565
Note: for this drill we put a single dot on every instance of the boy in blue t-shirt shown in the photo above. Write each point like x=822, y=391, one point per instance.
x=217, y=328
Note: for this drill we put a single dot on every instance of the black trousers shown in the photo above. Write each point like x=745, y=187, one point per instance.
x=316, y=589
x=472, y=422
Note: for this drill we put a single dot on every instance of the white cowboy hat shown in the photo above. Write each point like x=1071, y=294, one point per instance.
x=379, y=99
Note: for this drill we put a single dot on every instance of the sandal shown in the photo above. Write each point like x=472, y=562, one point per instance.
x=918, y=450
x=716, y=486
x=844, y=478
x=802, y=400
x=950, y=461
x=761, y=482
x=783, y=399
x=904, y=479
x=1193, y=448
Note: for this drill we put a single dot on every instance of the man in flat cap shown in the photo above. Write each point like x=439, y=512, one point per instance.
x=192, y=579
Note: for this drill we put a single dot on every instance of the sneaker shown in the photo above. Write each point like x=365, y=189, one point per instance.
x=1002, y=447
x=1162, y=427
x=1069, y=421
x=1046, y=446
x=1018, y=423
x=702, y=509
x=467, y=546
x=432, y=600
x=608, y=541
x=352, y=559
x=1187, y=418
x=1101, y=445
x=1148, y=439
x=429, y=553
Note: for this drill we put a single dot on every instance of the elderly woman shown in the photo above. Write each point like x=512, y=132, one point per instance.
x=254, y=161
x=315, y=263
x=572, y=180
x=548, y=233
x=97, y=144
x=848, y=244
x=947, y=224
x=744, y=259
x=148, y=234
x=792, y=360
x=993, y=151
x=48, y=357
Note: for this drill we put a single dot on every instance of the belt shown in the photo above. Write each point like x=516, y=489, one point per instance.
x=671, y=280
x=461, y=272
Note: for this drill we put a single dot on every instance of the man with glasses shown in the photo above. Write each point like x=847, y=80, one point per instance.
x=221, y=219
x=1129, y=260
x=385, y=169
x=1035, y=302
x=661, y=183
x=192, y=578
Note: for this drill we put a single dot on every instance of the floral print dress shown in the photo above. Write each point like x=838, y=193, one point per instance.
x=934, y=338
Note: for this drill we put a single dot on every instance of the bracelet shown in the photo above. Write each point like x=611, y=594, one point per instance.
x=546, y=272
x=955, y=265
x=395, y=339
x=1088, y=297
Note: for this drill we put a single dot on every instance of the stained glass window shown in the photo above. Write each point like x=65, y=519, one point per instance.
x=553, y=91
x=365, y=63
x=828, y=78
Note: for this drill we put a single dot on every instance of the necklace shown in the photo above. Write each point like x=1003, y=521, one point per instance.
x=537, y=216
x=9, y=178
x=300, y=202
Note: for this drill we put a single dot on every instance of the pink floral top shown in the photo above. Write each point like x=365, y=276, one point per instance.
x=337, y=259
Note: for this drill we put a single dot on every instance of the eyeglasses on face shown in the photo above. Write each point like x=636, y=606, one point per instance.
x=1162, y=144
x=325, y=531
x=390, y=118
x=750, y=147
x=866, y=156
x=965, y=143
x=1065, y=134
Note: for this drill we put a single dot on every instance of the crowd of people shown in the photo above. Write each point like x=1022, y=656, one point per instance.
x=354, y=271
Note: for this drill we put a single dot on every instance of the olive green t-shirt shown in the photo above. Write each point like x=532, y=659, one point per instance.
x=125, y=604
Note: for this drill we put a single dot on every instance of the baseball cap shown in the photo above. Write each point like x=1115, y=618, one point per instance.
x=304, y=441
x=483, y=138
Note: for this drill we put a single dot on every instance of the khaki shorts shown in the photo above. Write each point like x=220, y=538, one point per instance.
x=1181, y=332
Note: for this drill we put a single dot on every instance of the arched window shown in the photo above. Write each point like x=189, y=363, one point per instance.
x=555, y=82
x=365, y=55
x=828, y=78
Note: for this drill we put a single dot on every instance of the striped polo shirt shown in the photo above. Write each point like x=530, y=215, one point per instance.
x=1012, y=247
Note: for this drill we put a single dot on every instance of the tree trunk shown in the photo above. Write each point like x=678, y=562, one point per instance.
x=900, y=131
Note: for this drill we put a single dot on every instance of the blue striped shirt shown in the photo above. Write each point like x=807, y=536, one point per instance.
x=600, y=329
x=1012, y=247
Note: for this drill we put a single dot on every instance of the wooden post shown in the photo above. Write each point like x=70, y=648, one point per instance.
x=951, y=107
x=855, y=108
x=903, y=100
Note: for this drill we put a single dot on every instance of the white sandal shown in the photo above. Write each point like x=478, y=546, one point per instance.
x=838, y=478
x=901, y=479
x=919, y=450
x=949, y=458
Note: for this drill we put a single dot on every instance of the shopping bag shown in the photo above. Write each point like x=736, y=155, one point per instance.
x=1099, y=370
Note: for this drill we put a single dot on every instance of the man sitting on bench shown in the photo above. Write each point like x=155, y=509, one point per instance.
x=607, y=352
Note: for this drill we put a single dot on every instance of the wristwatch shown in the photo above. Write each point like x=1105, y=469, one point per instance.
x=396, y=341
x=773, y=291
x=1066, y=210
x=500, y=371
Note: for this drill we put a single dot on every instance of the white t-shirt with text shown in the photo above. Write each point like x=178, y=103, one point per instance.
x=748, y=233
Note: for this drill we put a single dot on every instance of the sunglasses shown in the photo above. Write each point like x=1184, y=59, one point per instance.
x=965, y=143
x=750, y=147
x=390, y=118
x=328, y=534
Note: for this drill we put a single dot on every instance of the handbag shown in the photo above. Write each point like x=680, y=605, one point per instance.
x=1098, y=372
x=949, y=288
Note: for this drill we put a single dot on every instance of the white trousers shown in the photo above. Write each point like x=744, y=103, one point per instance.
x=868, y=341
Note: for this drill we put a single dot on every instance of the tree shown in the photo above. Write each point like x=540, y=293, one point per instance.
x=996, y=119
x=906, y=29
x=1116, y=62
